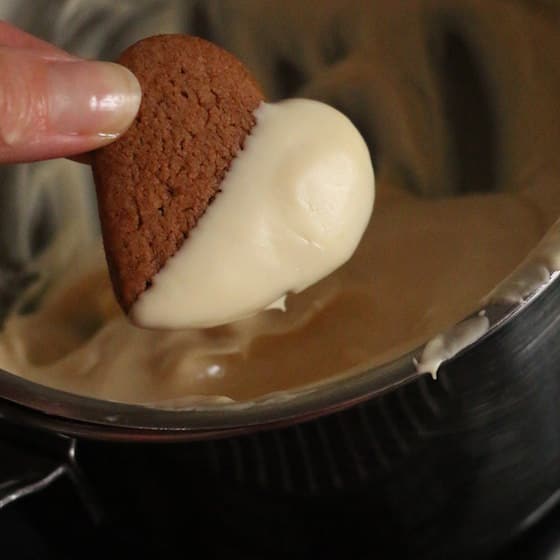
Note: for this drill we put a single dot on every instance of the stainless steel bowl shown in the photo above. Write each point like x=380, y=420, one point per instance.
x=41, y=199
x=489, y=425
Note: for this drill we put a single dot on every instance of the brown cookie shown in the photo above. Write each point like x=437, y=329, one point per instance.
x=156, y=181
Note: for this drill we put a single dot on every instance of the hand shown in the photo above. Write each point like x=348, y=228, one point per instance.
x=53, y=104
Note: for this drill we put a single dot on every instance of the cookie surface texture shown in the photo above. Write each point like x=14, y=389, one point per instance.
x=156, y=181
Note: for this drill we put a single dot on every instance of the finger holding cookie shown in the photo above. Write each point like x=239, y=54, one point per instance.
x=53, y=104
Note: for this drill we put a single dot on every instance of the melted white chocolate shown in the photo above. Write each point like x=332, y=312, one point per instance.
x=421, y=266
x=292, y=208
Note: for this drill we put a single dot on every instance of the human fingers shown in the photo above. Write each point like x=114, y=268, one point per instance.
x=54, y=105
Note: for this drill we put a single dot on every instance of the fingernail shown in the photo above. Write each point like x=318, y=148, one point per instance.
x=91, y=98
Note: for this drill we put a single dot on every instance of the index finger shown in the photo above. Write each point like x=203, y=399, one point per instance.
x=11, y=36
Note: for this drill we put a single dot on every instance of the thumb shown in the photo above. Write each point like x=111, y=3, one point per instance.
x=55, y=106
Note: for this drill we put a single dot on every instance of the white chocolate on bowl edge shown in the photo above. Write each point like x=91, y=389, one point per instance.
x=292, y=209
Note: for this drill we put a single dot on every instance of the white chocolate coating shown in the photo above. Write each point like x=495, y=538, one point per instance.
x=292, y=209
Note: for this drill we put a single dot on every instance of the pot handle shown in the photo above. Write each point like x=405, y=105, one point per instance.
x=32, y=461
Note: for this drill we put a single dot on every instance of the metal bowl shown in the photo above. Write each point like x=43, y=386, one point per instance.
x=488, y=426
x=40, y=200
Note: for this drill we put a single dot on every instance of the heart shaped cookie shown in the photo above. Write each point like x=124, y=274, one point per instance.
x=215, y=205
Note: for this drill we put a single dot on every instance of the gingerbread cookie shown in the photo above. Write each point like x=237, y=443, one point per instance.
x=215, y=205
